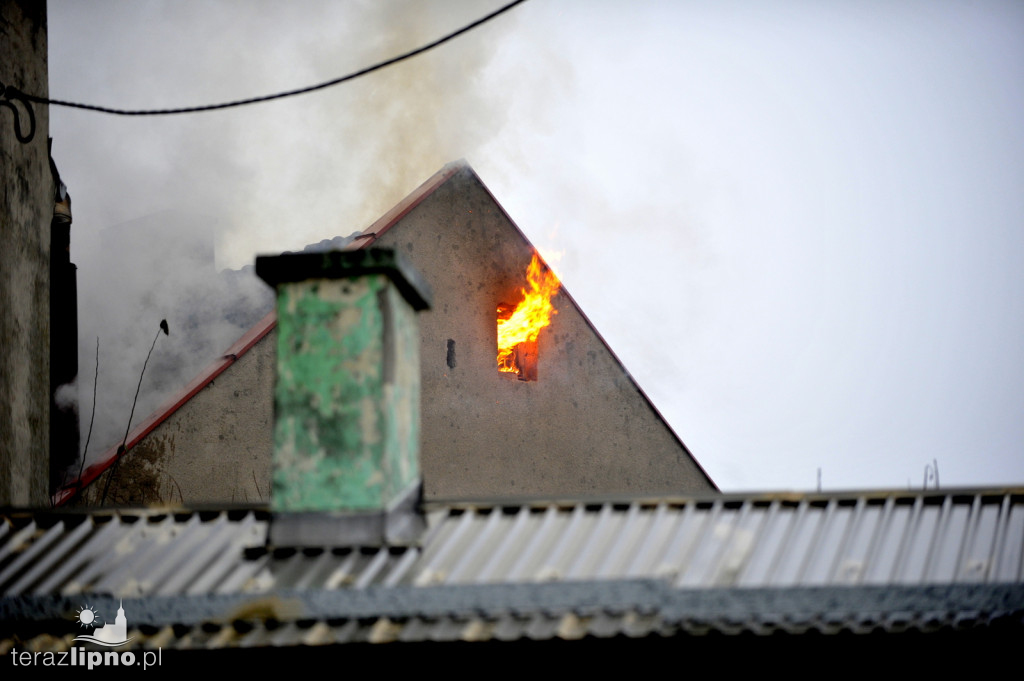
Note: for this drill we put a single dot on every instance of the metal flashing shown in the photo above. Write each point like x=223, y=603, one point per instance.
x=293, y=267
x=401, y=524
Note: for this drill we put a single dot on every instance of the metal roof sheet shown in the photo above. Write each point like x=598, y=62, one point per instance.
x=780, y=541
x=827, y=562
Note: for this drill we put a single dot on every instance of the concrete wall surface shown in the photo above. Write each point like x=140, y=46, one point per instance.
x=26, y=206
x=214, y=449
x=583, y=428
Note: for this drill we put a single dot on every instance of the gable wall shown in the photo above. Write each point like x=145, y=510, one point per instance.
x=214, y=449
x=582, y=428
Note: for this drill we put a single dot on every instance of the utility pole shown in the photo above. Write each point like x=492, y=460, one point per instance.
x=26, y=208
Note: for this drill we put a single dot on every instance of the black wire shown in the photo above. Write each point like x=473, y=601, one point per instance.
x=122, y=449
x=279, y=95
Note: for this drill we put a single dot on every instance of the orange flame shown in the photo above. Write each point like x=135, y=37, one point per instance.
x=532, y=314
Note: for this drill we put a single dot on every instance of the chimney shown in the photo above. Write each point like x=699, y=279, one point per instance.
x=64, y=438
x=346, y=402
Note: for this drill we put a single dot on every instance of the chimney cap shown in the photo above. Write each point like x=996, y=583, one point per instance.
x=293, y=267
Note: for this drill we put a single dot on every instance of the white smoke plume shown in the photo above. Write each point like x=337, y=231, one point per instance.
x=180, y=200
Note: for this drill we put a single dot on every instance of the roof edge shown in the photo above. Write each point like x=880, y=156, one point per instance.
x=564, y=291
x=766, y=497
x=165, y=410
x=385, y=222
x=796, y=604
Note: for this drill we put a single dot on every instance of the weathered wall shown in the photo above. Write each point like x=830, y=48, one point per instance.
x=214, y=449
x=582, y=428
x=26, y=206
x=346, y=404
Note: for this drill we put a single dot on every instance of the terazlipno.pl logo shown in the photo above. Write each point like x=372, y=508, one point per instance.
x=110, y=635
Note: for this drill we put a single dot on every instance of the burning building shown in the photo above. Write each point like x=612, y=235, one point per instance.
x=862, y=577
x=349, y=554
x=554, y=413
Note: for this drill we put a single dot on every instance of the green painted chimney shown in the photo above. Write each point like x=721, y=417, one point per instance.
x=346, y=402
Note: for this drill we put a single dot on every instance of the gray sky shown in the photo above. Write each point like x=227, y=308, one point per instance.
x=798, y=224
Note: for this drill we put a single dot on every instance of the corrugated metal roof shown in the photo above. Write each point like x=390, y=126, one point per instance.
x=766, y=541
x=828, y=562
x=781, y=541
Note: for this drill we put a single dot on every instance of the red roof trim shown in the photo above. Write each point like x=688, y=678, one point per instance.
x=405, y=206
x=205, y=377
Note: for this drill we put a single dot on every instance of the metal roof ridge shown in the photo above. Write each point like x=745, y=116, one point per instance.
x=756, y=497
x=466, y=504
x=817, y=604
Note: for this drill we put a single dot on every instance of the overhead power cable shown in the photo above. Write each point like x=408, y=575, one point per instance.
x=13, y=93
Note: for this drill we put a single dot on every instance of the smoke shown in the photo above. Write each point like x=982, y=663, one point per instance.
x=173, y=210
x=66, y=396
x=141, y=272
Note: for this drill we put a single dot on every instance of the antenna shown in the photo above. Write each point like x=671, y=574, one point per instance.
x=121, y=447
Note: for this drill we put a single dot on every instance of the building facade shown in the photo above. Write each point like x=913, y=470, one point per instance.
x=582, y=427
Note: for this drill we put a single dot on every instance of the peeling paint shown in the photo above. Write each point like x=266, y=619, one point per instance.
x=348, y=363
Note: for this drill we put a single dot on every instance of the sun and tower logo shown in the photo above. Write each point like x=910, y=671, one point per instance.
x=111, y=635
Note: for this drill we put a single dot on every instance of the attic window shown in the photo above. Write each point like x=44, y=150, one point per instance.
x=521, y=324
